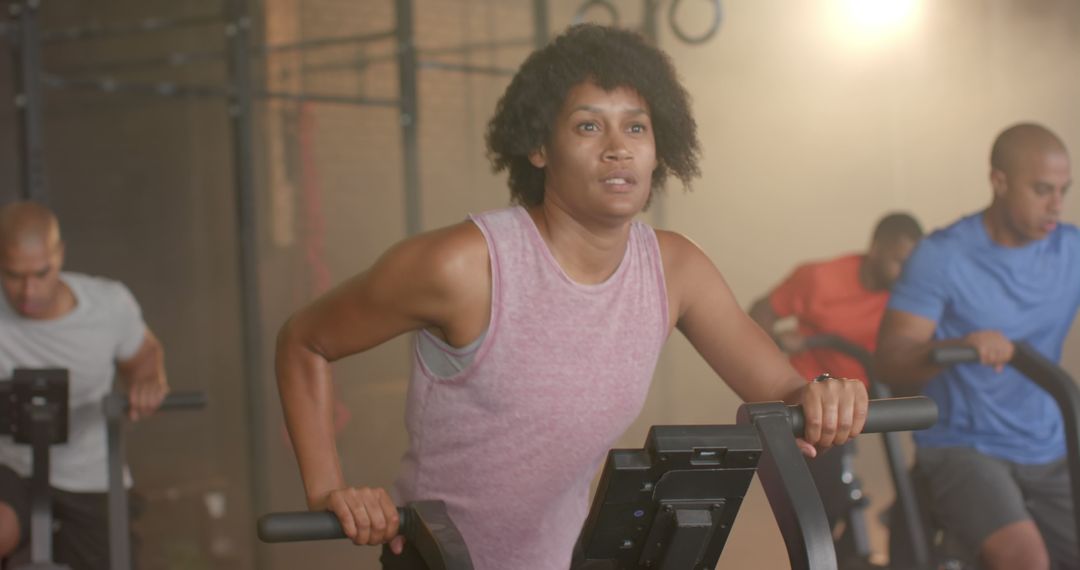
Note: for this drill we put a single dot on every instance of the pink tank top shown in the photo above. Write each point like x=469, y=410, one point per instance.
x=512, y=442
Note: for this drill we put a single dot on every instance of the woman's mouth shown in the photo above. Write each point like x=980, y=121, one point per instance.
x=619, y=180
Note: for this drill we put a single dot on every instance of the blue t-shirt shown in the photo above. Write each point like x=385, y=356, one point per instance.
x=963, y=281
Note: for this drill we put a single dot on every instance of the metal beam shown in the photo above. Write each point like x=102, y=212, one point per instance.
x=180, y=58
x=466, y=48
x=650, y=23
x=144, y=26
x=465, y=68
x=328, y=98
x=172, y=59
x=332, y=41
x=410, y=120
x=29, y=101
x=111, y=85
x=238, y=31
x=541, y=27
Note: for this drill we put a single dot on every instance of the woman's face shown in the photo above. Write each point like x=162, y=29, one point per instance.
x=601, y=154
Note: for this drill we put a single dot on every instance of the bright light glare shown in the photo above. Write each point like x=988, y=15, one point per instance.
x=879, y=16
x=865, y=26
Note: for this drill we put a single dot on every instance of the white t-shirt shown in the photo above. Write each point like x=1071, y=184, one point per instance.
x=105, y=326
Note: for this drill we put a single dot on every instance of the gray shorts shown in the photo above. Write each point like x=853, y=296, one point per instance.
x=973, y=495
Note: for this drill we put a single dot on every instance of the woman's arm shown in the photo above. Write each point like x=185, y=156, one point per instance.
x=436, y=280
x=744, y=356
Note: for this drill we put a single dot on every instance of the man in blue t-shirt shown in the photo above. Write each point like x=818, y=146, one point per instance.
x=994, y=463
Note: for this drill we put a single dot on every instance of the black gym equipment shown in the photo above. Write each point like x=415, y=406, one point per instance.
x=116, y=407
x=34, y=410
x=906, y=520
x=1049, y=376
x=834, y=474
x=671, y=504
x=912, y=544
x=424, y=524
x=678, y=477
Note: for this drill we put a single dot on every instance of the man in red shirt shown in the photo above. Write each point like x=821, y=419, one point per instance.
x=845, y=296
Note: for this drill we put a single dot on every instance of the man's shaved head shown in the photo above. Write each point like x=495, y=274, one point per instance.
x=24, y=224
x=1020, y=140
x=1030, y=174
x=31, y=257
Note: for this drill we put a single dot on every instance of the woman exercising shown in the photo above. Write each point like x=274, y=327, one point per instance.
x=539, y=326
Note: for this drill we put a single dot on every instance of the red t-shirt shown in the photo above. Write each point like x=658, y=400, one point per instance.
x=828, y=298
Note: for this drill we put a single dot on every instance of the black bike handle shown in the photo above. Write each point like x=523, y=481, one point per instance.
x=892, y=414
x=117, y=404
x=959, y=354
x=308, y=525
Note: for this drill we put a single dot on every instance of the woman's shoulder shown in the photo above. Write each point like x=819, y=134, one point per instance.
x=685, y=262
x=454, y=252
x=677, y=247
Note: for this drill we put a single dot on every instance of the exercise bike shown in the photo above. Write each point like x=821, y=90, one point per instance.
x=671, y=504
x=1048, y=376
x=853, y=545
x=34, y=410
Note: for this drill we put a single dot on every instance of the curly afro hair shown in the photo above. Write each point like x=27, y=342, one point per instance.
x=610, y=58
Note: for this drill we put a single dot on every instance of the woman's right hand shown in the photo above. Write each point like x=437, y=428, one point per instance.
x=367, y=516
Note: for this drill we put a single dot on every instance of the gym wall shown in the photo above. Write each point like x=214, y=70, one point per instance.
x=142, y=186
x=808, y=137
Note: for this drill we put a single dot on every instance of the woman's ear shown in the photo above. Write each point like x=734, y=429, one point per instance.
x=538, y=157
